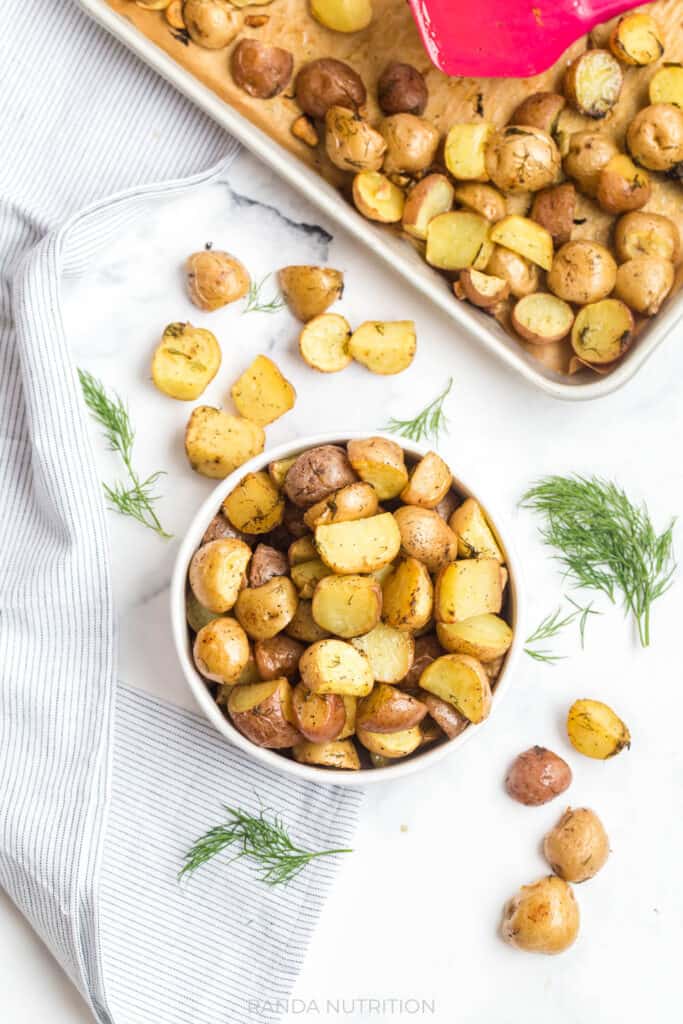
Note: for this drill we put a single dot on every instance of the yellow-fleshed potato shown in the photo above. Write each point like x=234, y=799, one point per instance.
x=427, y=199
x=465, y=150
x=307, y=575
x=449, y=720
x=349, y=727
x=334, y=666
x=389, y=651
x=666, y=85
x=215, y=279
x=622, y=186
x=303, y=626
x=355, y=501
x=342, y=15
x=217, y=573
x=340, y=754
x=602, y=331
x=582, y=271
x=388, y=709
x=278, y=656
x=351, y=143
x=483, y=199
x=411, y=143
x=263, y=713
x=646, y=234
x=379, y=462
x=221, y=650
x=196, y=614
x=542, y=318
x=540, y=110
x=319, y=717
x=595, y=730
x=554, y=209
x=429, y=482
x=391, y=745
x=577, y=847
x=484, y=637
x=475, y=536
x=469, y=587
x=522, y=159
x=347, y=606
x=456, y=239
x=525, y=237
x=426, y=537
x=408, y=596
x=174, y=14
x=461, y=681
x=522, y=276
x=255, y=505
x=644, y=283
x=185, y=361
x=264, y=611
x=262, y=394
x=309, y=291
x=655, y=137
x=587, y=154
x=635, y=39
x=376, y=197
x=324, y=343
x=360, y=545
x=384, y=346
x=316, y=473
x=302, y=550
x=593, y=83
x=483, y=290
x=277, y=470
x=216, y=443
x=542, y=917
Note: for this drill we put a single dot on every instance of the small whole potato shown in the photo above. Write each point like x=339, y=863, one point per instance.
x=522, y=159
x=577, y=847
x=588, y=153
x=644, y=283
x=215, y=279
x=261, y=70
x=401, y=89
x=622, y=186
x=646, y=234
x=309, y=291
x=554, y=208
x=278, y=656
x=655, y=137
x=210, y=23
x=540, y=110
x=537, y=776
x=582, y=272
x=319, y=717
x=351, y=143
x=521, y=274
x=542, y=917
x=326, y=83
x=316, y=473
x=221, y=650
x=411, y=143
x=426, y=537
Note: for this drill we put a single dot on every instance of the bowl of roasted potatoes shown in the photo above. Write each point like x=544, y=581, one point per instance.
x=345, y=609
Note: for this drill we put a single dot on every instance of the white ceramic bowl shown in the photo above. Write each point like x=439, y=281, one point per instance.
x=272, y=758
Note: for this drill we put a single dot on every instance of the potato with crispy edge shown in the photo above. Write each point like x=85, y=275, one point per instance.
x=324, y=343
x=377, y=198
x=391, y=745
x=355, y=501
x=595, y=730
x=260, y=69
x=388, y=650
x=429, y=198
x=347, y=606
x=602, y=331
x=430, y=480
x=316, y=473
x=461, y=681
x=342, y=15
x=278, y=656
x=577, y=847
x=554, y=209
x=309, y=291
x=408, y=596
x=307, y=575
x=485, y=637
x=542, y=917
x=334, y=666
x=319, y=717
x=536, y=776
x=303, y=626
x=635, y=39
x=401, y=89
x=262, y=394
x=221, y=650
x=582, y=271
x=587, y=154
x=526, y=237
x=622, y=186
x=655, y=137
x=265, y=611
x=411, y=143
x=483, y=290
x=522, y=159
x=388, y=709
x=380, y=462
x=340, y=754
x=666, y=85
x=646, y=234
x=185, y=361
x=475, y=536
x=351, y=143
x=360, y=545
x=216, y=443
x=542, y=318
x=217, y=573
x=522, y=276
x=644, y=283
x=465, y=150
x=384, y=346
x=592, y=83
x=471, y=586
x=425, y=536
x=215, y=279
x=326, y=83
x=456, y=240
x=483, y=199
x=254, y=505
x=540, y=110
x=209, y=23
x=263, y=713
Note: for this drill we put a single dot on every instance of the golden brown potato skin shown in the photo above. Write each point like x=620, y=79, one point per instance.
x=278, y=656
x=582, y=272
x=426, y=537
x=319, y=716
x=215, y=279
x=554, y=209
x=537, y=776
x=309, y=291
x=221, y=650
x=209, y=23
x=589, y=152
x=427, y=650
x=644, y=283
x=388, y=709
x=577, y=847
x=266, y=562
x=261, y=70
x=268, y=723
x=326, y=83
x=401, y=89
x=411, y=143
x=522, y=275
x=317, y=473
x=444, y=714
x=351, y=143
x=540, y=110
x=522, y=159
x=646, y=234
x=542, y=918
x=655, y=137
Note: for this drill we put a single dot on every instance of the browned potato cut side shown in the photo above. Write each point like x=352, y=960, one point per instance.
x=456, y=239
x=431, y=196
x=319, y=717
x=469, y=587
x=254, y=505
x=475, y=536
x=542, y=917
x=324, y=343
x=408, y=596
x=429, y=482
x=646, y=234
x=483, y=290
x=542, y=318
x=525, y=237
x=595, y=730
x=334, y=666
x=384, y=347
x=301, y=550
x=265, y=611
x=377, y=198
x=644, y=283
x=216, y=443
x=635, y=39
x=462, y=682
x=666, y=85
x=185, y=361
x=217, y=573
x=389, y=652
x=582, y=271
x=349, y=727
x=379, y=462
x=388, y=709
x=306, y=576
x=593, y=83
x=465, y=151
x=484, y=637
x=277, y=470
x=359, y=546
x=482, y=199
x=335, y=754
x=262, y=394
x=391, y=744
x=602, y=331
x=309, y=291
x=263, y=713
x=522, y=276
x=347, y=606
x=622, y=186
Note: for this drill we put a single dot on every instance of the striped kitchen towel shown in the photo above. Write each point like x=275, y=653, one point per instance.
x=101, y=785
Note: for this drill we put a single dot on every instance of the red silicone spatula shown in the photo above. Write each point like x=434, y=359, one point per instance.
x=506, y=38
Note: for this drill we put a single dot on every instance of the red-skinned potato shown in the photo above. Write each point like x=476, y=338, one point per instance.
x=483, y=290
x=319, y=716
x=278, y=656
x=401, y=89
x=266, y=562
x=431, y=196
x=554, y=209
x=326, y=83
x=259, y=69
x=388, y=709
x=263, y=713
x=316, y=473
x=444, y=714
x=537, y=776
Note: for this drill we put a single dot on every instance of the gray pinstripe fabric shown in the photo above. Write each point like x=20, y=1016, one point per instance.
x=101, y=787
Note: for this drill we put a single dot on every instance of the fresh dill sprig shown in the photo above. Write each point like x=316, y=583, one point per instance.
x=428, y=424
x=549, y=627
x=583, y=614
x=138, y=499
x=256, y=304
x=255, y=836
x=605, y=542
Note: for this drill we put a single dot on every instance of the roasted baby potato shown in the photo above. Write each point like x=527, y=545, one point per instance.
x=347, y=606
x=622, y=186
x=468, y=587
x=342, y=15
x=351, y=143
x=426, y=537
x=644, y=283
x=445, y=715
x=260, y=69
x=265, y=611
x=475, y=536
x=430, y=480
x=484, y=637
x=483, y=199
x=217, y=573
x=577, y=847
x=262, y=394
x=333, y=666
x=255, y=505
x=377, y=198
x=349, y=727
x=309, y=291
x=301, y=550
x=319, y=717
x=411, y=143
x=646, y=234
x=389, y=652
x=540, y=110
x=521, y=275
x=316, y=473
x=388, y=709
x=635, y=39
x=221, y=650
x=593, y=83
x=543, y=917
x=602, y=331
x=595, y=730
x=185, y=361
x=277, y=470
x=525, y=237
x=210, y=23
x=174, y=14
x=215, y=279
x=379, y=462
x=384, y=347
x=408, y=596
x=582, y=271
x=427, y=199
x=465, y=151
x=655, y=137
x=307, y=575
x=326, y=83
x=359, y=546
x=483, y=290
x=588, y=153
x=278, y=656
x=460, y=681
x=355, y=501
x=537, y=776
x=263, y=713
x=542, y=318
x=303, y=626
x=391, y=744
x=522, y=159
x=401, y=89
x=666, y=85
x=334, y=754
x=456, y=240
x=324, y=343
x=554, y=209
x=217, y=443
x=427, y=649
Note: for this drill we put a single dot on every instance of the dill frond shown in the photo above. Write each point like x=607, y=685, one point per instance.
x=256, y=304
x=428, y=424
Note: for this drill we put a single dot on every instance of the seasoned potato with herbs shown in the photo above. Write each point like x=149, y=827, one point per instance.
x=260, y=69
x=593, y=83
x=215, y=279
x=255, y=505
x=221, y=650
x=384, y=347
x=588, y=153
x=389, y=652
x=303, y=626
x=377, y=198
x=465, y=151
x=595, y=730
x=655, y=137
x=635, y=39
x=554, y=209
x=521, y=275
x=468, y=587
x=540, y=110
x=359, y=546
x=411, y=143
x=666, y=85
x=461, y=681
x=185, y=361
x=307, y=575
x=380, y=462
x=319, y=717
x=542, y=918
x=217, y=443
x=301, y=550
x=349, y=727
x=537, y=776
x=263, y=713
x=408, y=596
x=324, y=343
x=483, y=199
x=347, y=606
x=542, y=318
x=277, y=470
x=316, y=473
x=522, y=159
x=278, y=656
x=388, y=709
x=426, y=537
x=351, y=143
x=602, y=331
x=309, y=291
x=401, y=89
x=475, y=536
x=334, y=754
x=622, y=186
x=450, y=721
x=582, y=271
x=262, y=394
x=577, y=847
x=342, y=15
x=484, y=637
x=427, y=199
x=525, y=237
x=355, y=501
x=430, y=480
x=390, y=744
x=334, y=666
x=217, y=573
x=644, y=283
x=456, y=240
x=265, y=611
x=646, y=234
x=326, y=83
x=483, y=290
x=210, y=23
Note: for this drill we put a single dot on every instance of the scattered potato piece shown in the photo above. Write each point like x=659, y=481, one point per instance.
x=537, y=776
x=335, y=754
x=456, y=239
x=525, y=237
x=334, y=666
x=595, y=730
x=644, y=283
x=431, y=196
x=306, y=576
x=646, y=234
x=602, y=331
x=379, y=462
x=389, y=651
x=384, y=347
x=622, y=186
x=471, y=586
x=221, y=650
x=265, y=611
x=263, y=713
x=522, y=159
x=217, y=572
x=345, y=16
x=387, y=709
x=430, y=481
x=426, y=537
x=593, y=82
x=324, y=343
x=408, y=596
x=262, y=394
x=582, y=271
x=666, y=85
x=542, y=917
x=462, y=682
x=391, y=744
x=577, y=847
x=359, y=546
x=309, y=291
x=465, y=150
x=347, y=606
x=484, y=637
x=185, y=361
x=475, y=536
x=542, y=318
x=255, y=505
x=215, y=279
x=635, y=39
x=377, y=198
x=217, y=443
x=483, y=290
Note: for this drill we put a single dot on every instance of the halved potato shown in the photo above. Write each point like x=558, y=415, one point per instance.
x=355, y=501
x=425, y=201
x=646, y=234
x=262, y=394
x=408, y=596
x=302, y=626
x=380, y=462
x=216, y=443
x=302, y=550
x=644, y=283
x=347, y=606
x=542, y=318
x=465, y=150
x=426, y=537
x=456, y=239
x=447, y=717
x=595, y=730
x=475, y=536
x=319, y=717
x=263, y=713
x=602, y=331
x=361, y=545
x=522, y=276
x=377, y=198
x=391, y=745
x=622, y=186
x=593, y=82
x=185, y=361
x=349, y=727
x=264, y=611
x=472, y=586
x=429, y=482
x=309, y=291
x=388, y=709
x=635, y=39
x=388, y=650
x=221, y=650
x=484, y=637
x=525, y=237
x=461, y=681
x=324, y=343
x=217, y=573
x=483, y=199
x=255, y=505
x=483, y=290
x=383, y=346
x=335, y=754
x=666, y=85
x=307, y=575
x=277, y=470
x=333, y=666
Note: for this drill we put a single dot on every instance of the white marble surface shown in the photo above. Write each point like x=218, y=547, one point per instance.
x=414, y=914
